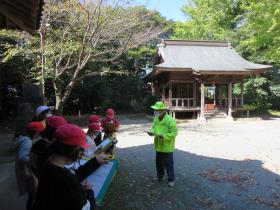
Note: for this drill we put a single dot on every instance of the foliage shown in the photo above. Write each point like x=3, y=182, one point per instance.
x=111, y=43
x=274, y=112
x=208, y=20
x=252, y=27
x=13, y=72
x=81, y=39
x=96, y=94
x=259, y=33
x=249, y=107
x=258, y=40
x=236, y=90
x=148, y=101
x=258, y=93
x=114, y=63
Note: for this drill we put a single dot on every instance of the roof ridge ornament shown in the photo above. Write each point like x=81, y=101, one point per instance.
x=210, y=43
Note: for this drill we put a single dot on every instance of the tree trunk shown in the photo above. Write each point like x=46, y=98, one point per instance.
x=58, y=99
x=59, y=104
x=62, y=98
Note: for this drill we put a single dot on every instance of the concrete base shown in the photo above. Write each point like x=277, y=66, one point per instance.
x=202, y=120
x=229, y=119
x=172, y=114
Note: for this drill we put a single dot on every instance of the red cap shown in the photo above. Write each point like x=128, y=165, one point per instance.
x=93, y=119
x=110, y=113
x=35, y=126
x=94, y=127
x=72, y=135
x=56, y=121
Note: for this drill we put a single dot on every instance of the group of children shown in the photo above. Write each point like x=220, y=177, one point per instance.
x=50, y=144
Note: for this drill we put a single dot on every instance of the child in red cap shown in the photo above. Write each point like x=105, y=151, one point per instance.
x=92, y=133
x=59, y=188
x=26, y=180
x=39, y=151
x=52, y=123
x=110, y=119
x=110, y=126
x=96, y=119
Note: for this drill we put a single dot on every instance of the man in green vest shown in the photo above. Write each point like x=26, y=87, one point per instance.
x=164, y=130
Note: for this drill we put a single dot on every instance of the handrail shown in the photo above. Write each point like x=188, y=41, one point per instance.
x=236, y=102
x=192, y=102
x=183, y=102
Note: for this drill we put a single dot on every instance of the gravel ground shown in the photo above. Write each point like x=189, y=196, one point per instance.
x=217, y=166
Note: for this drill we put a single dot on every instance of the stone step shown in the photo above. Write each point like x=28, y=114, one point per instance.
x=216, y=120
x=215, y=114
x=212, y=118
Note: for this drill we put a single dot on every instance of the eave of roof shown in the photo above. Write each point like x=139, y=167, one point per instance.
x=25, y=14
x=203, y=57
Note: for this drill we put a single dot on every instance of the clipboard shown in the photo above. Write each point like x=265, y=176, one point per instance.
x=101, y=179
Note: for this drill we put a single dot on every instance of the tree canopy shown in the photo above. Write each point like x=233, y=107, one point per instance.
x=79, y=40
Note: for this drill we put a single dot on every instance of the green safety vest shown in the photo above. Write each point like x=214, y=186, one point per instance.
x=168, y=129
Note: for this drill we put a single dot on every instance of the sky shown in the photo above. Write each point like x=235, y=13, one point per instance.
x=168, y=8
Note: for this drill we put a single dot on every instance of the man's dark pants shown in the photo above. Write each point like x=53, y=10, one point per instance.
x=164, y=160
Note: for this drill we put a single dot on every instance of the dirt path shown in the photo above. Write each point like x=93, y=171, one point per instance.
x=218, y=166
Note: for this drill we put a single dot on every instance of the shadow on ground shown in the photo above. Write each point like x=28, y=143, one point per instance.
x=269, y=117
x=201, y=183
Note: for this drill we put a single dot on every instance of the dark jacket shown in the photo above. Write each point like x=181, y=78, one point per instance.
x=59, y=189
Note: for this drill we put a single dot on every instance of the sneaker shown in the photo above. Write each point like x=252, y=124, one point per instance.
x=171, y=184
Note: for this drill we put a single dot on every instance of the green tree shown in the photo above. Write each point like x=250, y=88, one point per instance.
x=252, y=27
x=259, y=33
x=77, y=37
x=13, y=72
x=257, y=38
x=208, y=20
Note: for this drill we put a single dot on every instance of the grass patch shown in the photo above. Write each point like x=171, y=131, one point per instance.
x=274, y=112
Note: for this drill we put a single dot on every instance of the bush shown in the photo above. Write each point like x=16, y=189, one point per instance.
x=148, y=101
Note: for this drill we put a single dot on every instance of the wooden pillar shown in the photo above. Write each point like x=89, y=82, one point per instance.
x=242, y=92
x=153, y=89
x=194, y=94
x=170, y=99
x=173, y=114
x=170, y=94
x=202, y=118
x=163, y=92
x=214, y=94
x=229, y=115
x=218, y=90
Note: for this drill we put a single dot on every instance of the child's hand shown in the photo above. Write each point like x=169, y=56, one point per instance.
x=86, y=185
x=102, y=158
